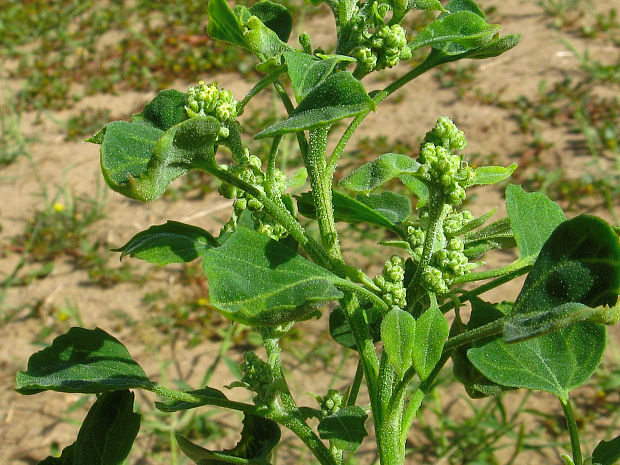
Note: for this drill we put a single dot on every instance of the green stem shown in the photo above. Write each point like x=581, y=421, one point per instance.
x=435, y=218
x=271, y=166
x=320, y=182
x=203, y=400
x=260, y=85
x=378, y=97
x=484, y=288
x=355, y=385
x=490, y=329
x=307, y=436
x=288, y=105
x=390, y=450
x=573, y=430
x=510, y=268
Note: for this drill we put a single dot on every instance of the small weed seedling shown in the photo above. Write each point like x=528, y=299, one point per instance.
x=269, y=268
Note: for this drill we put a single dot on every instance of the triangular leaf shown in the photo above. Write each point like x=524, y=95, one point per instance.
x=337, y=97
x=172, y=242
x=82, y=360
x=345, y=428
x=275, y=16
x=371, y=175
x=223, y=24
x=261, y=282
x=167, y=109
x=491, y=174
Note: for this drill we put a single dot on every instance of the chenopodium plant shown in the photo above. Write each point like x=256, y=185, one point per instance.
x=268, y=271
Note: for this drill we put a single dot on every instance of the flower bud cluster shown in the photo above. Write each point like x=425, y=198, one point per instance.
x=208, y=100
x=376, y=44
x=449, y=260
x=440, y=165
x=391, y=283
x=258, y=377
x=331, y=403
x=251, y=173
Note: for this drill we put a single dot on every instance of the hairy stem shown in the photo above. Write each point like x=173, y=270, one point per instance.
x=203, y=400
x=320, y=183
x=573, y=431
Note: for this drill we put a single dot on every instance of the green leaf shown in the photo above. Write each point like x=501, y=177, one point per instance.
x=417, y=187
x=261, y=282
x=607, y=452
x=491, y=174
x=82, y=360
x=258, y=437
x=424, y=5
x=431, y=333
x=172, y=242
x=494, y=48
x=579, y=263
x=386, y=209
x=108, y=431
x=455, y=33
x=337, y=97
x=261, y=40
x=371, y=175
x=206, y=394
x=498, y=230
x=139, y=160
x=167, y=109
x=398, y=331
x=345, y=428
x=464, y=5
x=223, y=24
x=341, y=332
x=557, y=363
x=66, y=457
x=307, y=71
x=276, y=17
x=476, y=384
x=533, y=217
x=106, y=435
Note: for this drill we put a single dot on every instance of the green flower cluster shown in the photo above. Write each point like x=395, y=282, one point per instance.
x=251, y=173
x=440, y=165
x=378, y=45
x=208, y=100
x=391, y=284
x=258, y=377
x=331, y=403
x=449, y=260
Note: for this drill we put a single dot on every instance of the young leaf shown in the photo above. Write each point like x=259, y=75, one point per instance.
x=206, y=394
x=533, y=217
x=386, y=209
x=491, y=174
x=258, y=437
x=108, y=431
x=464, y=5
x=337, y=97
x=345, y=428
x=398, y=331
x=455, y=33
x=172, y=242
x=431, y=333
x=167, y=109
x=260, y=282
x=417, y=187
x=275, y=16
x=607, y=452
x=307, y=71
x=223, y=24
x=371, y=175
x=424, y=5
x=261, y=40
x=82, y=360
